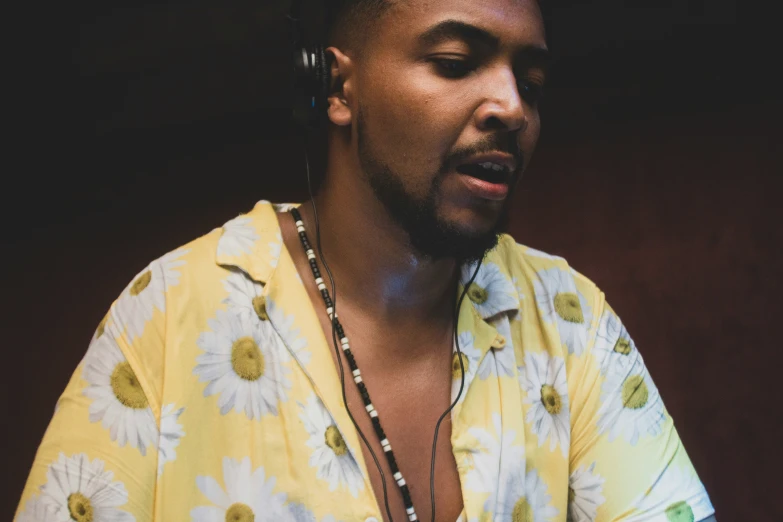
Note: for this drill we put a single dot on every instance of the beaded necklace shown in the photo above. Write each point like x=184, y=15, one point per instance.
x=357, y=376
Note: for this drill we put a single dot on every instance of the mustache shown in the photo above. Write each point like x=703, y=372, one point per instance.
x=507, y=144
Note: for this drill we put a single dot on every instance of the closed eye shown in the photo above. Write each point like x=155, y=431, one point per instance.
x=453, y=68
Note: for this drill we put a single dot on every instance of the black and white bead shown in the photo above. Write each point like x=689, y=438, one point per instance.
x=357, y=375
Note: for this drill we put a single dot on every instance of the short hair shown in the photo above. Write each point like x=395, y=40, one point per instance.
x=349, y=23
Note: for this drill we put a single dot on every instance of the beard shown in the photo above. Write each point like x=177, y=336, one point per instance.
x=428, y=234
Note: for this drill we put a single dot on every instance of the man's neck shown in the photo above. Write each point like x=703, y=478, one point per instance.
x=376, y=271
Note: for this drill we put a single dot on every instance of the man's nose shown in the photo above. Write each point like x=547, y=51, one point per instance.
x=503, y=107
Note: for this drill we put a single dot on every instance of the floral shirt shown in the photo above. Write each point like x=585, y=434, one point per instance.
x=209, y=393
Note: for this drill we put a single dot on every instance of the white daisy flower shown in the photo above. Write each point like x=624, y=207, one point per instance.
x=147, y=292
x=538, y=253
x=283, y=207
x=248, y=495
x=544, y=379
x=79, y=489
x=245, y=297
x=242, y=365
x=170, y=433
x=500, y=361
x=491, y=291
x=630, y=403
x=275, y=247
x=238, y=237
x=331, y=456
x=494, y=457
x=36, y=511
x=470, y=359
x=523, y=496
x=299, y=513
x=677, y=495
x=613, y=345
x=284, y=325
x=118, y=398
x=559, y=300
x=584, y=494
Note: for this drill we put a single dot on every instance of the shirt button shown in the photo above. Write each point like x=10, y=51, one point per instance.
x=499, y=342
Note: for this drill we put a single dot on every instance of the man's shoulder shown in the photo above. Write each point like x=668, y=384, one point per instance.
x=523, y=262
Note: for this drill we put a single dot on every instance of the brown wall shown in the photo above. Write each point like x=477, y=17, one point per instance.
x=677, y=218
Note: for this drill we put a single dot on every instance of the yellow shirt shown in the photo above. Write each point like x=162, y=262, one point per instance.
x=208, y=393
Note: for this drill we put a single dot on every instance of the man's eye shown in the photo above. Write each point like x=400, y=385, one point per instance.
x=531, y=92
x=453, y=68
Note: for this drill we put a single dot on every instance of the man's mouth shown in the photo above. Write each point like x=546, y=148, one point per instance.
x=487, y=171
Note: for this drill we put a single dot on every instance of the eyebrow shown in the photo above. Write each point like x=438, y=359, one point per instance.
x=445, y=30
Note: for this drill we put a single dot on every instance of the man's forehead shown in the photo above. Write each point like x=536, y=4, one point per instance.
x=427, y=21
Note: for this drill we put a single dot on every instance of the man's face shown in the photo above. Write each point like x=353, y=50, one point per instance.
x=432, y=101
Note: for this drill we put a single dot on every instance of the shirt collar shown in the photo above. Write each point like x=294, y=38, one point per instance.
x=252, y=242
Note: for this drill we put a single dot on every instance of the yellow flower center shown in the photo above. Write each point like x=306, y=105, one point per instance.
x=679, y=512
x=246, y=359
x=335, y=441
x=259, y=305
x=568, y=308
x=477, y=294
x=79, y=508
x=551, y=399
x=126, y=387
x=141, y=283
x=522, y=511
x=101, y=326
x=571, y=495
x=622, y=346
x=456, y=370
x=635, y=393
x=239, y=513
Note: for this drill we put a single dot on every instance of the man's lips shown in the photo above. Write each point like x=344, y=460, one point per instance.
x=485, y=189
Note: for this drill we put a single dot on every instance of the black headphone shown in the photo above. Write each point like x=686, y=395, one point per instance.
x=311, y=73
x=311, y=83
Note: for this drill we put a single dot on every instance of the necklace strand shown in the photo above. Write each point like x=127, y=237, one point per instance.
x=357, y=376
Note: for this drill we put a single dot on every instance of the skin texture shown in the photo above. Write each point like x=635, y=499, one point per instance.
x=395, y=302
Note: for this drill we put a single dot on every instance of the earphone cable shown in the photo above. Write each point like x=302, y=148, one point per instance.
x=459, y=393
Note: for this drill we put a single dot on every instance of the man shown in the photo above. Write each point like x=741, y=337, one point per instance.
x=211, y=390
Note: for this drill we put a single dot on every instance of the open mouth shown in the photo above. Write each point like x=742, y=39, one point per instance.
x=489, y=172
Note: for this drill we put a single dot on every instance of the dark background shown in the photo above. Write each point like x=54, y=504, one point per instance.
x=658, y=175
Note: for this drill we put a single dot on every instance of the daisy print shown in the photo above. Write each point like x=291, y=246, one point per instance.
x=147, y=292
x=499, y=361
x=523, y=496
x=470, y=356
x=170, y=435
x=613, y=346
x=275, y=247
x=290, y=334
x=488, y=471
x=241, y=364
x=245, y=297
x=491, y=291
x=248, y=496
x=585, y=489
x=331, y=456
x=538, y=253
x=630, y=403
x=560, y=301
x=238, y=237
x=678, y=495
x=544, y=380
x=37, y=511
x=299, y=513
x=79, y=489
x=118, y=400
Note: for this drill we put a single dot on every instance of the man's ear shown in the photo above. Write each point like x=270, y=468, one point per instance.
x=341, y=88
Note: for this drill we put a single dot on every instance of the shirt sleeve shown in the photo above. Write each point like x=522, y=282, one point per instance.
x=627, y=461
x=98, y=459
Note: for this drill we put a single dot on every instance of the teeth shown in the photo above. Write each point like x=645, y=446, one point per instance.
x=493, y=166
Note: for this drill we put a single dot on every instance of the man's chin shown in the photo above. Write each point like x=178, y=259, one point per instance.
x=447, y=241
